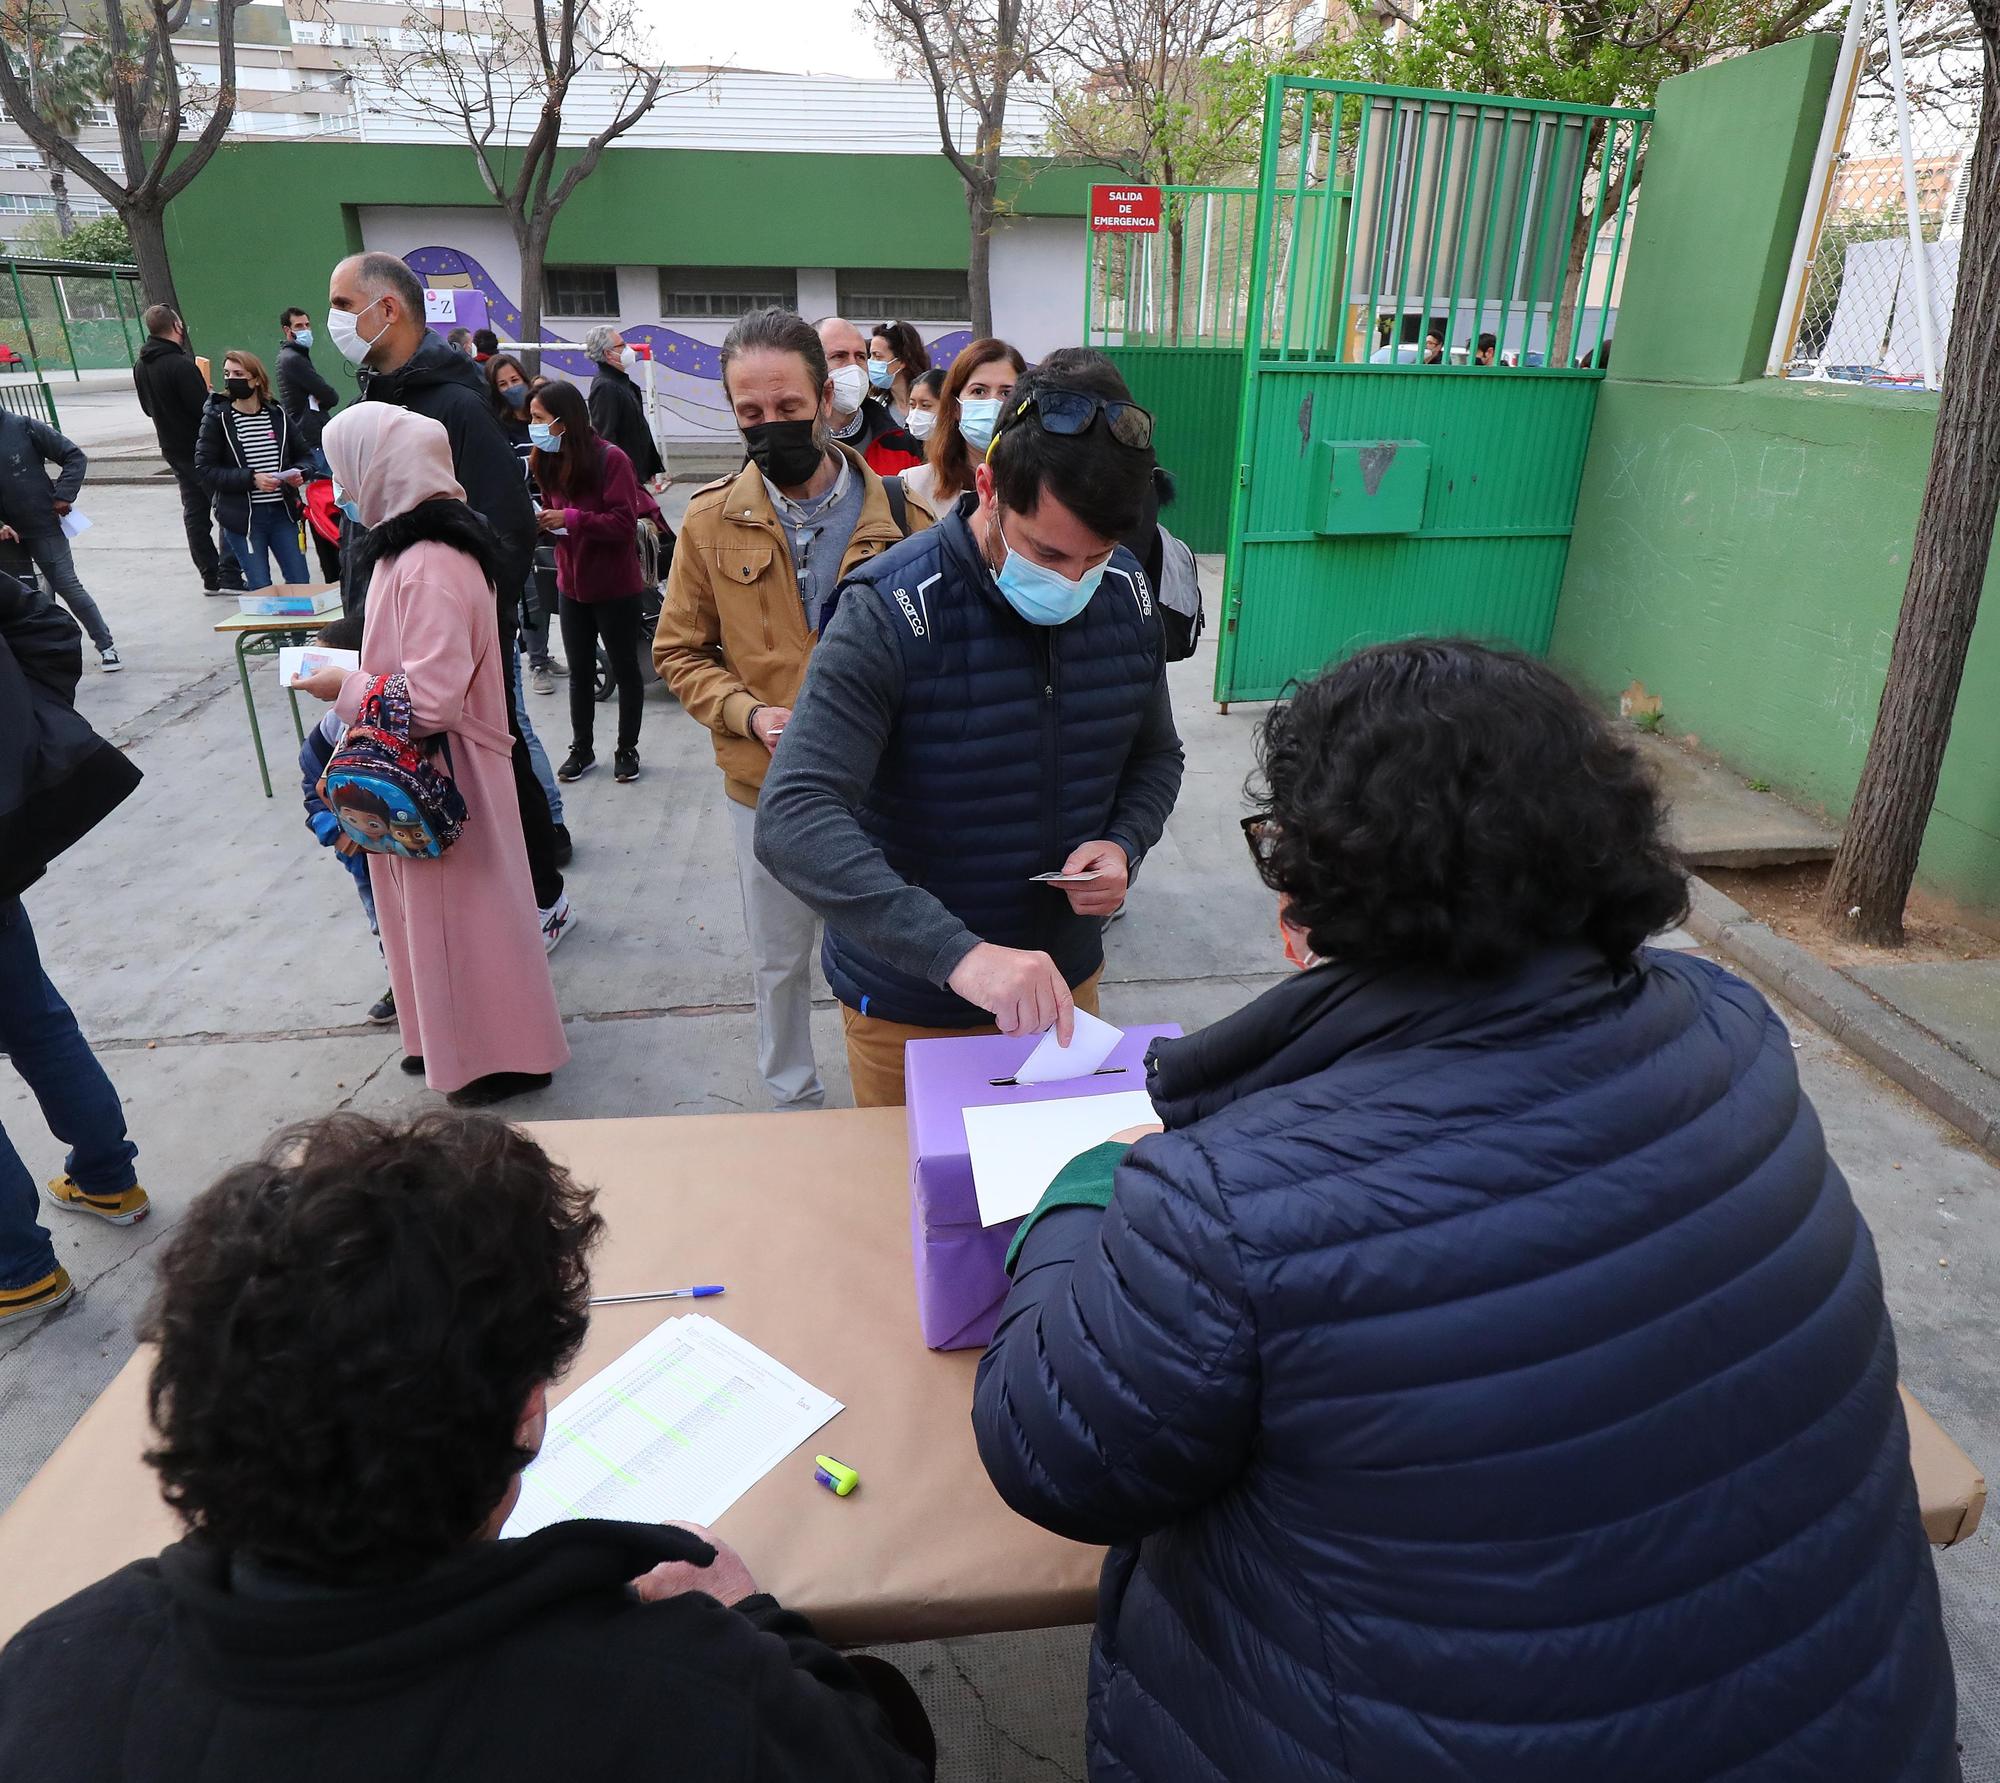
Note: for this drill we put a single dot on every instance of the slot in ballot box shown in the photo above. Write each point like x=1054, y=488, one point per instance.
x=961, y=1265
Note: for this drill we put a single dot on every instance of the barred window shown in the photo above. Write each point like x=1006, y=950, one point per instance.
x=884, y=294
x=580, y=290
x=723, y=293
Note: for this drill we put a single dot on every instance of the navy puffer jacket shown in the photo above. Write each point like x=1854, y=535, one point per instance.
x=1481, y=1382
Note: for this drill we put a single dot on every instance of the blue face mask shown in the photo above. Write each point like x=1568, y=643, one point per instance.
x=544, y=437
x=346, y=504
x=881, y=374
x=516, y=396
x=1043, y=596
x=302, y=337
x=976, y=420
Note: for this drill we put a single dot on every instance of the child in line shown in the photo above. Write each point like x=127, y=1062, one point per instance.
x=317, y=750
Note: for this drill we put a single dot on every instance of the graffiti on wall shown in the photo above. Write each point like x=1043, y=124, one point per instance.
x=688, y=378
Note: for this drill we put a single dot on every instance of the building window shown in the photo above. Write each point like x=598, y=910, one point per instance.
x=580, y=290
x=723, y=293
x=884, y=294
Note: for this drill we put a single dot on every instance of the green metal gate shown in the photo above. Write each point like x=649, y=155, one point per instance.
x=1390, y=482
x=1171, y=310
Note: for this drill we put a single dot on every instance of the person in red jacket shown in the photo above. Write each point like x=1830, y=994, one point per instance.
x=864, y=422
x=592, y=511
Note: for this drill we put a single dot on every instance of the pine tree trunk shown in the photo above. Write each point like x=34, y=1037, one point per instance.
x=1877, y=861
x=979, y=261
x=59, y=191
x=148, y=230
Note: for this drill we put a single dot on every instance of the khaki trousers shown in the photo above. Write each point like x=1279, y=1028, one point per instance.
x=875, y=1047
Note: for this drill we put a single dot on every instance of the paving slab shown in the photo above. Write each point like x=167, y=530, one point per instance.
x=1717, y=821
x=1958, y=1000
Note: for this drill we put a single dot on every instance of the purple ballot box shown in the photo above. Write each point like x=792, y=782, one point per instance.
x=961, y=1265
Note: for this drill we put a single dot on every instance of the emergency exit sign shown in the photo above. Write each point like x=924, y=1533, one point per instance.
x=1119, y=208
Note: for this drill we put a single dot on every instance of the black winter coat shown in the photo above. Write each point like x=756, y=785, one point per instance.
x=27, y=497
x=172, y=392
x=449, y=388
x=225, y=472
x=300, y=385
x=58, y=777
x=526, y=1660
x=618, y=413
x=1486, y=1383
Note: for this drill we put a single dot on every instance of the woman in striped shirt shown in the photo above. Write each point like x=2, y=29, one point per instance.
x=251, y=457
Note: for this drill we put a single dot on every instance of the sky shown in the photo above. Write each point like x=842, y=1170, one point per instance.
x=783, y=36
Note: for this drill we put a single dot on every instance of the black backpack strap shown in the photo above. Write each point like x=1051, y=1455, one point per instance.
x=899, y=502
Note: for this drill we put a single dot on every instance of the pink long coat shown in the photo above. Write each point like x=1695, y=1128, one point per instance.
x=461, y=933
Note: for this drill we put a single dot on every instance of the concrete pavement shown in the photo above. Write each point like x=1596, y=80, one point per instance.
x=218, y=960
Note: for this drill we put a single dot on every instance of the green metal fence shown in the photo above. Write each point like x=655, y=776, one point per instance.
x=29, y=396
x=1171, y=309
x=1433, y=286
x=1399, y=217
x=69, y=316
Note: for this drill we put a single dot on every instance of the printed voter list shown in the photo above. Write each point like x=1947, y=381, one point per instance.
x=678, y=1428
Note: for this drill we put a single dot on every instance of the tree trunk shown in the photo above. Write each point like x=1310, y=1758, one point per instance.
x=534, y=245
x=147, y=227
x=1582, y=233
x=1176, y=261
x=979, y=258
x=59, y=191
x=1877, y=861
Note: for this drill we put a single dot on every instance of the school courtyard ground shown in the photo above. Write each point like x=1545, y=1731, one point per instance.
x=218, y=960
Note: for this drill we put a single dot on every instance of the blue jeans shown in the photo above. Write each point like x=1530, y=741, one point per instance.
x=40, y=1036
x=272, y=527
x=538, y=757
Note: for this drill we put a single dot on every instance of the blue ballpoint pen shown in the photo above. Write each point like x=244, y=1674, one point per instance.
x=662, y=1294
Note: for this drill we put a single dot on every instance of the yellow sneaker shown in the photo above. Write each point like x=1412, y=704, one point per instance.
x=36, y=1298
x=114, y=1210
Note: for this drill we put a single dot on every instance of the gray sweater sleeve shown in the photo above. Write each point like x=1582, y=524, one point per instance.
x=807, y=833
x=1151, y=781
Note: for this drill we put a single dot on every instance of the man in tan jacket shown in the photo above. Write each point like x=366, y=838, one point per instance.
x=757, y=557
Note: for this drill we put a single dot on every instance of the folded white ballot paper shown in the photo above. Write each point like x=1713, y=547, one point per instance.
x=75, y=524
x=1092, y=1042
x=1017, y=1150
x=678, y=1428
x=295, y=660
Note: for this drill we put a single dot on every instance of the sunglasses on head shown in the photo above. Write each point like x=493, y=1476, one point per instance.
x=1071, y=412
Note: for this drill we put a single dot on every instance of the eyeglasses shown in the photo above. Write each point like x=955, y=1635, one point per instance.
x=1260, y=832
x=1071, y=412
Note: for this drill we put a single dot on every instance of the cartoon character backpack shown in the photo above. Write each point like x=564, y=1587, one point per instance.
x=383, y=788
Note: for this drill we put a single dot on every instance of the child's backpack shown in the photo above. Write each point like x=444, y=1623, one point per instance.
x=382, y=787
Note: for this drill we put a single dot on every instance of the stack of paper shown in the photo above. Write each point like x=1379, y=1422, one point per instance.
x=677, y=1429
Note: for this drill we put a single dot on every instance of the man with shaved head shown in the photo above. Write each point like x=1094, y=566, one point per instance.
x=375, y=317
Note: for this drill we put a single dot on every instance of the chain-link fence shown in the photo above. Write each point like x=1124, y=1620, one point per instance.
x=1872, y=306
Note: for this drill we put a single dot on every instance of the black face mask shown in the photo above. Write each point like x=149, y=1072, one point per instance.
x=784, y=451
x=238, y=388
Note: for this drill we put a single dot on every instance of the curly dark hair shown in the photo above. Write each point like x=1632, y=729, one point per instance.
x=348, y=1331
x=1438, y=803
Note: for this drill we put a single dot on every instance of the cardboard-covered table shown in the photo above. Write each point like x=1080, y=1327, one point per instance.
x=805, y=1219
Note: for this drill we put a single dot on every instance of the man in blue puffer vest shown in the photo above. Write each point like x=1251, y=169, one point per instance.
x=987, y=705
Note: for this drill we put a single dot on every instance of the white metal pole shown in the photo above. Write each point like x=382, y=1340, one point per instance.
x=1819, y=188
x=1920, y=257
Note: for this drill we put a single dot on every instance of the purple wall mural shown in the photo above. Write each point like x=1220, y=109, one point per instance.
x=671, y=349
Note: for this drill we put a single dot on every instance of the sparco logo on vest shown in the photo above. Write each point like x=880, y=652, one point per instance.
x=910, y=612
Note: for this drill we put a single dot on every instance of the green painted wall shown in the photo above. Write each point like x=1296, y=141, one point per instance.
x=1717, y=211
x=265, y=222
x=1742, y=542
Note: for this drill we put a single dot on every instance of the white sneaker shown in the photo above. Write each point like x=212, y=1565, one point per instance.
x=557, y=921
x=542, y=678
x=108, y=659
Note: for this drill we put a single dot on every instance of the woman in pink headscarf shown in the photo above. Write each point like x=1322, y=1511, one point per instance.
x=473, y=996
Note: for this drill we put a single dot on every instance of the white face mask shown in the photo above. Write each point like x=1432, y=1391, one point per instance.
x=343, y=328
x=920, y=423
x=850, y=385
